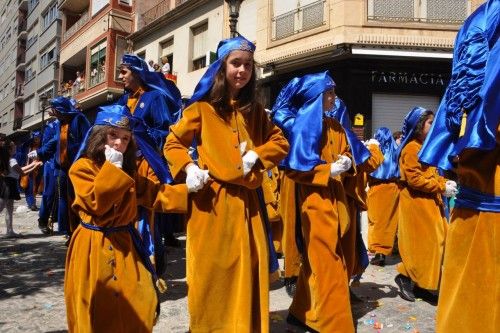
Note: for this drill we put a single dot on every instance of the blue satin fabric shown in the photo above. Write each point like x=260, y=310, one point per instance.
x=65, y=106
x=223, y=49
x=339, y=112
x=409, y=124
x=472, y=199
x=389, y=168
x=155, y=81
x=474, y=86
x=298, y=111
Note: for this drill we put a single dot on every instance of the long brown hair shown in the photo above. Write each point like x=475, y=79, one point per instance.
x=421, y=121
x=219, y=96
x=96, y=145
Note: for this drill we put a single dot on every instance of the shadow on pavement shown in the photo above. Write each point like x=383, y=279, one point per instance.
x=29, y=266
x=370, y=293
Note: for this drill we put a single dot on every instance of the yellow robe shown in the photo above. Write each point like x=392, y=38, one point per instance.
x=270, y=187
x=106, y=286
x=422, y=224
x=383, y=214
x=321, y=300
x=356, y=201
x=469, y=299
x=288, y=208
x=227, y=247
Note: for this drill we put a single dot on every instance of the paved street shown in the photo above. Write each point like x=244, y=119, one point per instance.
x=31, y=290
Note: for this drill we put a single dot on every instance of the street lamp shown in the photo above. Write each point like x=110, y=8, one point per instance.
x=234, y=13
x=43, y=106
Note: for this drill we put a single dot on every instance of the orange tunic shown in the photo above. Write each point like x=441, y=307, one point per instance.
x=321, y=300
x=288, y=209
x=422, y=224
x=226, y=247
x=356, y=201
x=469, y=299
x=106, y=286
x=270, y=188
x=383, y=214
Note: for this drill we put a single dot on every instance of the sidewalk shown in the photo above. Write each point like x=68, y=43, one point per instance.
x=32, y=296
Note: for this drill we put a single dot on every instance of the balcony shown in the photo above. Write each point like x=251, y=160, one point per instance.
x=75, y=6
x=451, y=12
x=299, y=20
x=77, y=26
x=156, y=12
x=20, y=61
x=21, y=28
x=19, y=91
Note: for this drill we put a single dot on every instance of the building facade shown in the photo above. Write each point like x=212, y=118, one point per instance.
x=41, y=68
x=385, y=58
x=93, y=42
x=12, y=61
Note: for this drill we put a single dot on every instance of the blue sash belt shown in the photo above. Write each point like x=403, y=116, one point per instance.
x=472, y=199
x=136, y=239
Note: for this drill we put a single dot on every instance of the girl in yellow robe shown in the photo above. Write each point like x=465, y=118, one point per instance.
x=319, y=156
x=383, y=200
x=227, y=248
x=422, y=223
x=108, y=284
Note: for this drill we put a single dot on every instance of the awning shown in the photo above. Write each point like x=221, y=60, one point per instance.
x=356, y=50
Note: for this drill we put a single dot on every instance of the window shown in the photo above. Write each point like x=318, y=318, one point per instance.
x=200, y=48
x=49, y=92
x=167, y=50
x=47, y=58
x=125, y=2
x=97, y=63
x=32, y=40
x=29, y=106
x=29, y=73
x=50, y=15
x=31, y=5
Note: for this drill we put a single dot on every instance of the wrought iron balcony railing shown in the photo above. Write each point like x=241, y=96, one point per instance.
x=420, y=11
x=156, y=12
x=298, y=20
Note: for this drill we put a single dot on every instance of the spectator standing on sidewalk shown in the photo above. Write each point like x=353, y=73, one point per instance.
x=11, y=171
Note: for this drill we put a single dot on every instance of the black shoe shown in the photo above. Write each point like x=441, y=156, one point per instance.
x=34, y=208
x=378, y=260
x=292, y=320
x=405, y=286
x=354, y=298
x=425, y=295
x=43, y=227
x=291, y=285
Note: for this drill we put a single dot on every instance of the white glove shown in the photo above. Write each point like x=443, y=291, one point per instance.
x=343, y=164
x=113, y=156
x=451, y=189
x=372, y=142
x=249, y=160
x=195, y=178
x=32, y=154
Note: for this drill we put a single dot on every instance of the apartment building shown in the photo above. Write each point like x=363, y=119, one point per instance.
x=385, y=56
x=41, y=66
x=93, y=42
x=12, y=61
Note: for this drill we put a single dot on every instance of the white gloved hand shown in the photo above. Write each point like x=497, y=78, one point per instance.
x=195, y=178
x=249, y=160
x=451, y=189
x=113, y=156
x=372, y=142
x=32, y=154
x=343, y=164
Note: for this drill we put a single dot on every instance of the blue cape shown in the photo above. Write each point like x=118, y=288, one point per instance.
x=298, y=111
x=389, y=168
x=474, y=87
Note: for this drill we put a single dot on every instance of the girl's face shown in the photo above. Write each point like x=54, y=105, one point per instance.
x=118, y=138
x=239, y=67
x=328, y=100
x=427, y=126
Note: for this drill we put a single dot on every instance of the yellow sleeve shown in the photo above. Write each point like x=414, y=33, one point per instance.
x=180, y=139
x=319, y=176
x=374, y=161
x=172, y=199
x=98, y=190
x=417, y=175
